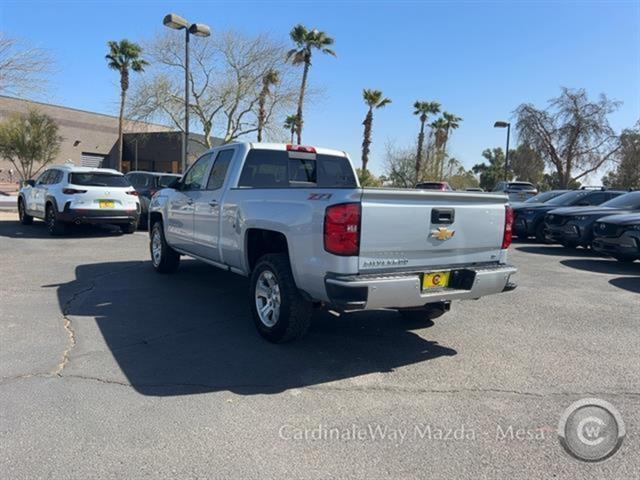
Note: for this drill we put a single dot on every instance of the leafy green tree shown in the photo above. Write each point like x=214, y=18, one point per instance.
x=627, y=171
x=368, y=179
x=306, y=41
x=271, y=77
x=422, y=110
x=526, y=164
x=374, y=100
x=290, y=124
x=27, y=140
x=493, y=171
x=124, y=56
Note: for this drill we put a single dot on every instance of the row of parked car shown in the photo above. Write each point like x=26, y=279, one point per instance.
x=608, y=221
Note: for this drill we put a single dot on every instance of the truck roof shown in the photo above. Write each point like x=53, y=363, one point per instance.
x=283, y=147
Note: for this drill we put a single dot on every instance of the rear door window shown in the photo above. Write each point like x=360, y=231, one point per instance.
x=98, y=179
x=219, y=170
x=275, y=168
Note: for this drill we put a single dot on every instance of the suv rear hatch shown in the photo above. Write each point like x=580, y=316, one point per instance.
x=421, y=230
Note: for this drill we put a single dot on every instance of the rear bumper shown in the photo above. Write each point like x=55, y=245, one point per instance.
x=626, y=245
x=403, y=290
x=79, y=216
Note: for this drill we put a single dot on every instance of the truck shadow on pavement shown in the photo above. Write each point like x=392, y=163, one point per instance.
x=192, y=332
x=14, y=229
x=632, y=284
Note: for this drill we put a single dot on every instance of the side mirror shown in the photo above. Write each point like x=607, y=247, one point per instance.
x=30, y=182
x=175, y=184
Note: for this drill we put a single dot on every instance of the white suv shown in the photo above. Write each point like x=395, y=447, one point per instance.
x=68, y=194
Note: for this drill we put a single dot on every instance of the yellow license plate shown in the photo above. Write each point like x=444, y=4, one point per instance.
x=106, y=204
x=435, y=280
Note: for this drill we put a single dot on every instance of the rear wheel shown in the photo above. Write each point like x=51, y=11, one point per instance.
x=25, y=219
x=280, y=313
x=570, y=244
x=54, y=225
x=164, y=258
x=129, y=227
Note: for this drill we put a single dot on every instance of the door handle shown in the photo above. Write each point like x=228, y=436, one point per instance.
x=213, y=203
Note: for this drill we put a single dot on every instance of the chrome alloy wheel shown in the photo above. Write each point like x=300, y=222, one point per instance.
x=156, y=247
x=267, y=297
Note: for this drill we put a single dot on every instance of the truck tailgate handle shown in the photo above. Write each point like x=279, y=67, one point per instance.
x=442, y=215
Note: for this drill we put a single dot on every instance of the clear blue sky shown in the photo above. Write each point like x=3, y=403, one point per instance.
x=480, y=60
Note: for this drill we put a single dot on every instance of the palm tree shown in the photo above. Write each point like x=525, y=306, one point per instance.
x=290, y=124
x=423, y=109
x=451, y=123
x=374, y=100
x=306, y=41
x=271, y=77
x=124, y=56
x=439, y=127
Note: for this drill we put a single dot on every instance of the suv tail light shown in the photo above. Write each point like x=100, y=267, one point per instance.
x=72, y=191
x=132, y=192
x=342, y=229
x=508, y=227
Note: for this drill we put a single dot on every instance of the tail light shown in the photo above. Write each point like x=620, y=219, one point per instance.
x=132, y=192
x=72, y=191
x=342, y=229
x=508, y=227
x=300, y=148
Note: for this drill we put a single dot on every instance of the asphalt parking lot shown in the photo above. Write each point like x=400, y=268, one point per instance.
x=110, y=370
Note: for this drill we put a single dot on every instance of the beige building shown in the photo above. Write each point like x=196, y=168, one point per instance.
x=88, y=138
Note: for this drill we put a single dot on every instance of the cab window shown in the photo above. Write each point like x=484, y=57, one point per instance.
x=219, y=170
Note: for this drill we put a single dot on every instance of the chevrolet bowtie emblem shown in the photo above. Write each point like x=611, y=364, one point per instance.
x=442, y=233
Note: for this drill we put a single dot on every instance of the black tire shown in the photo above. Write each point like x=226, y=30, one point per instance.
x=571, y=245
x=540, y=233
x=294, y=312
x=168, y=260
x=25, y=219
x=129, y=227
x=54, y=225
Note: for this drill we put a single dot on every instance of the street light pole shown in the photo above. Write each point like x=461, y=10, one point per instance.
x=201, y=30
x=506, y=125
x=185, y=139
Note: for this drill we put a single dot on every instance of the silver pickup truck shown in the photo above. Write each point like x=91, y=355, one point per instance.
x=295, y=220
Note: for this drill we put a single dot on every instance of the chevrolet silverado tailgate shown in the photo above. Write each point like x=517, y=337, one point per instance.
x=417, y=229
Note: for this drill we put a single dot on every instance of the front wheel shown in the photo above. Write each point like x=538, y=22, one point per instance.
x=164, y=258
x=25, y=218
x=279, y=311
x=624, y=259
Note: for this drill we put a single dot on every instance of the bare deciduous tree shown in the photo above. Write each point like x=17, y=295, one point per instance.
x=572, y=135
x=23, y=68
x=225, y=79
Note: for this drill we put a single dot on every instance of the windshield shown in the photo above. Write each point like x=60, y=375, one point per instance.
x=98, y=179
x=543, y=197
x=567, y=198
x=630, y=201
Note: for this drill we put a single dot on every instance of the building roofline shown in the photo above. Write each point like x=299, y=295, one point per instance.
x=80, y=110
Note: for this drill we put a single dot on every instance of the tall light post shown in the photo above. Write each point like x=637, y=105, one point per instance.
x=506, y=125
x=199, y=30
